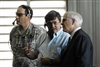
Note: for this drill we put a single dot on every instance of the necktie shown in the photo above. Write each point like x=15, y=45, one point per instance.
x=69, y=39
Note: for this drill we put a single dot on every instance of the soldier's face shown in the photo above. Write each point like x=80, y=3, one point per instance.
x=21, y=17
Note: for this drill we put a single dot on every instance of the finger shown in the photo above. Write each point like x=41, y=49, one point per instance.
x=26, y=45
x=28, y=54
x=41, y=59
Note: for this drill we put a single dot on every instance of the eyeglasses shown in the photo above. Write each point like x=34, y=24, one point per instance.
x=19, y=14
x=66, y=19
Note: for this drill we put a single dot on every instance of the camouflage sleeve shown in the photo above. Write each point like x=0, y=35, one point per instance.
x=41, y=30
x=11, y=34
x=36, y=34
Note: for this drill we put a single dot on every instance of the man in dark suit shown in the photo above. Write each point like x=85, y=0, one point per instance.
x=79, y=50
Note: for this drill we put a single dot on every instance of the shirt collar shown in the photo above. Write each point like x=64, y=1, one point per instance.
x=57, y=33
x=72, y=34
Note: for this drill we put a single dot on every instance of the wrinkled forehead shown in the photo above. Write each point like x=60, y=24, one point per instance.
x=55, y=19
x=21, y=10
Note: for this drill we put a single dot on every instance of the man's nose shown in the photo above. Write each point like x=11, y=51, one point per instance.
x=53, y=25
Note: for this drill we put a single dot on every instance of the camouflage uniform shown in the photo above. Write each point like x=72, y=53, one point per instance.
x=18, y=39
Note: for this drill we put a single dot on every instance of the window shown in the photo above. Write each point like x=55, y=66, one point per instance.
x=7, y=16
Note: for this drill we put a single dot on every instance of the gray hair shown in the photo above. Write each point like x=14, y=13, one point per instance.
x=74, y=15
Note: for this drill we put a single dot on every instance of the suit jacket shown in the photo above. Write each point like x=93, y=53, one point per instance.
x=79, y=51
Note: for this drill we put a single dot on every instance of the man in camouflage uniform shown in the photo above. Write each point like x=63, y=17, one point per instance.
x=23, y=33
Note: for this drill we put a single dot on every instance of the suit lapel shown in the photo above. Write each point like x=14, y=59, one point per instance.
x=70, y=43
x=66, y=48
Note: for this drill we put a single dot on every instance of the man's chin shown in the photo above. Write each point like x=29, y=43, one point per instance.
x=18, y=23
x=55, y=31
x=64, y=30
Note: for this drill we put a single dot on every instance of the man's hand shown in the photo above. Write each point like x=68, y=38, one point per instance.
x=45, y=60
x=25, y=49
x=27, y=52
x=48, y=61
